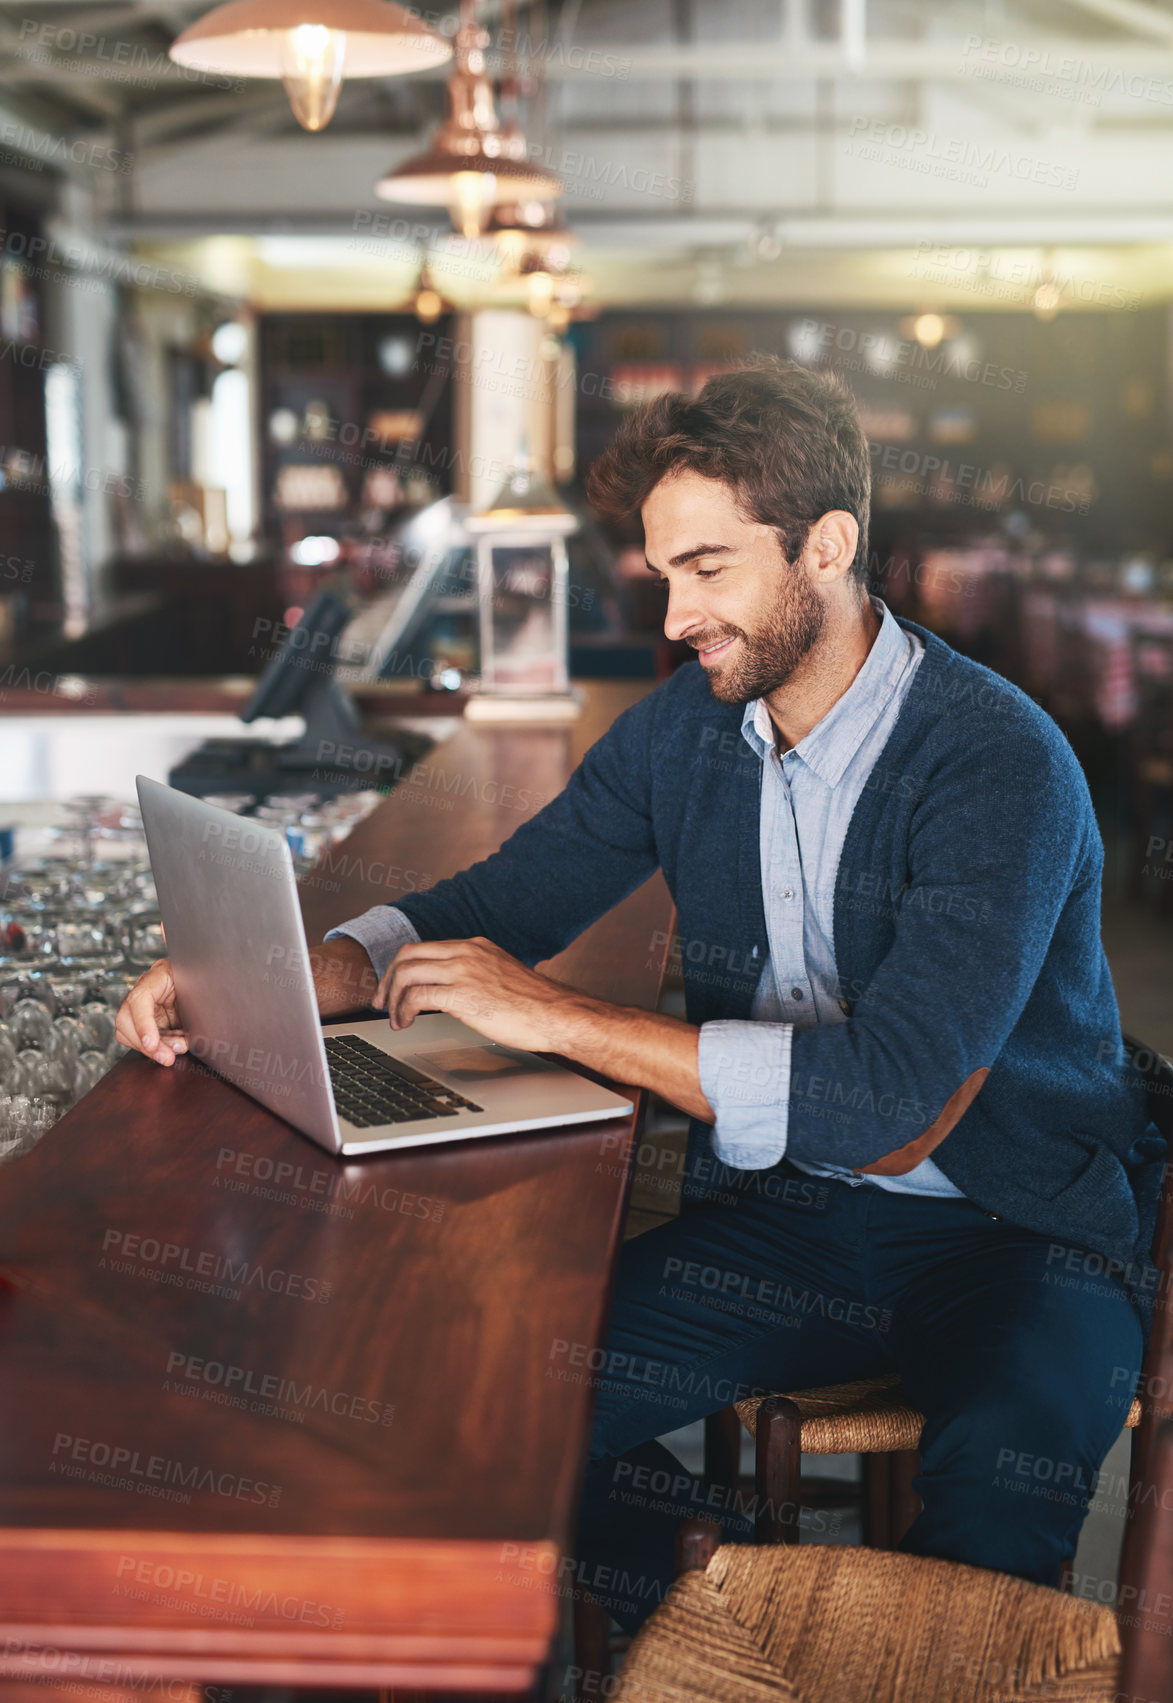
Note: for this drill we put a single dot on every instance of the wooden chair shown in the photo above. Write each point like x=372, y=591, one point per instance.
x=871, y=1418
x=827, y=1624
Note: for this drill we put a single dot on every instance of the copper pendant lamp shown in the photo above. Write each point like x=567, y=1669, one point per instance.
x=311, y=45
x=471, y=166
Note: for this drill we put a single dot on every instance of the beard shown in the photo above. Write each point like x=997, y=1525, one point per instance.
x=765, y=658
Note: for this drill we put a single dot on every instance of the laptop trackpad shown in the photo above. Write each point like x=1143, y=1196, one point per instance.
x=465, y=1066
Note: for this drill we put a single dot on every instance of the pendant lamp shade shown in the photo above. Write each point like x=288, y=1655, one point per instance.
x=464, y=175
x=531, y=227
x=252, y=38
x=472, y=165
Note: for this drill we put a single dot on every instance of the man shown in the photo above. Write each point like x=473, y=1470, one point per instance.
x=902, y=1038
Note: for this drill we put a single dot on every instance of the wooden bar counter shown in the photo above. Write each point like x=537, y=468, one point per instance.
x=267, y=1417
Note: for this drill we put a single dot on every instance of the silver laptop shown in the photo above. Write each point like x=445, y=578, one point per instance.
x=228, y=899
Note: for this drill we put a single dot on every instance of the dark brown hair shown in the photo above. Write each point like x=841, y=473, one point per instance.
x=788, y=441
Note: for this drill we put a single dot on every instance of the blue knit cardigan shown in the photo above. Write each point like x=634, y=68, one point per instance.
x=967, y=935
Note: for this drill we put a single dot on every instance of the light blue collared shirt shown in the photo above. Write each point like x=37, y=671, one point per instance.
x=807, y=799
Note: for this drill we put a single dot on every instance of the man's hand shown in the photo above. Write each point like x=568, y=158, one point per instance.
x=344, y=977
x=148, y=1018
x=482, y=986
x=502, y=1000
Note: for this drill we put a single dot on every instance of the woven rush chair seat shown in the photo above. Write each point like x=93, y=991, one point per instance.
x=867, y=1417
x=830, y=1624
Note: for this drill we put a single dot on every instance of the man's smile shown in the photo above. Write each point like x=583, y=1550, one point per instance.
x=714, y=651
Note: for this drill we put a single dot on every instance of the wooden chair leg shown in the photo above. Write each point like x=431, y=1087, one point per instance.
x=778, y=1477
x=723, y=1448
x=877, y=1501
x=592, y=1656
x=697, y=1542
x=905, y=1504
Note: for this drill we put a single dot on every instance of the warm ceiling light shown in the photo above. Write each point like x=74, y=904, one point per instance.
x=312, y=63
x=310, y=45
x=929, y=329
x=531, y=228
x=536, y=247
x=540, y=285
x=1047, y=299
x=471, y=166
x=429, y=304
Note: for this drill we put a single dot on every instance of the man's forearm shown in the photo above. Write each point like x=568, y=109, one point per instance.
x=636, y=1047
x=344, y=977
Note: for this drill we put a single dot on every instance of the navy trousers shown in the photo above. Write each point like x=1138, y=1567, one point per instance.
x=1020, y=1353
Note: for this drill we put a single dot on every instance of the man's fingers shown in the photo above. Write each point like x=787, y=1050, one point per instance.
x=138, y=1013
x=405, y=977
x=436, y=949
x=152, y=995
x=424, y=996
x=142, y=1005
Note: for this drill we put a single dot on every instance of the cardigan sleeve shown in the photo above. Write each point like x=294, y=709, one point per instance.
x=578, y=857
x=1003, y=840
x=381, y=931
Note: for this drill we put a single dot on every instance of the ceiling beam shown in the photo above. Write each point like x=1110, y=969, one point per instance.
x=900, y=61
x=174, y=118
x=83, y=93
x=850, y=228
x=93, y=20
x=749, y=61
x=1134, y=15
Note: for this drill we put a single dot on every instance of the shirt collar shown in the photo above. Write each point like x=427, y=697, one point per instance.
x=832, y=743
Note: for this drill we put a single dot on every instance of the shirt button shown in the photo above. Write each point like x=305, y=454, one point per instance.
x=788, y=892
x=796, y=993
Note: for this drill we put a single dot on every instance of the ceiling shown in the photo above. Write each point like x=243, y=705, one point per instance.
x=752, y=151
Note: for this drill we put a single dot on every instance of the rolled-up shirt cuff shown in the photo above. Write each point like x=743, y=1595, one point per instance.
x=381, y=931
x=745, y=1076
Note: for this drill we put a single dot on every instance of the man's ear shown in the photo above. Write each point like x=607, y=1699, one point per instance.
x=833, y=541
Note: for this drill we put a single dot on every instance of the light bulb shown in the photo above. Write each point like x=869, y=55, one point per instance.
x=541, y=293
x=428, y=306
x=474, y=195
x=312, y=61
x=1047, y=299
x=929, y=330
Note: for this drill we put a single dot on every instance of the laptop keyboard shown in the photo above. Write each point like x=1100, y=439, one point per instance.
x=371, y=1088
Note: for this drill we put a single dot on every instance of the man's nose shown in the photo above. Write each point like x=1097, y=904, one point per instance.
x=682, y=614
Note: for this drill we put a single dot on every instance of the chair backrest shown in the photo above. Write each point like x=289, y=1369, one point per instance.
x=1144, y=1603
x=1157, y=1073
x=1144, y=1600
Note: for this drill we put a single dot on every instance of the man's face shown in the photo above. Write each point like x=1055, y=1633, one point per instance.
x=750, y=615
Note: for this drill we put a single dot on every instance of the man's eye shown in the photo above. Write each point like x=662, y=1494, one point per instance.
x=707, y=573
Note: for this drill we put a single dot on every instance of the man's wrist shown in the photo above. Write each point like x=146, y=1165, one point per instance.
x=344, y=977
x=580, y=1026
x=631, y=1045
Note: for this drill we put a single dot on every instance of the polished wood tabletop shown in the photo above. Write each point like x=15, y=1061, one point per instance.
x=271, y=1417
